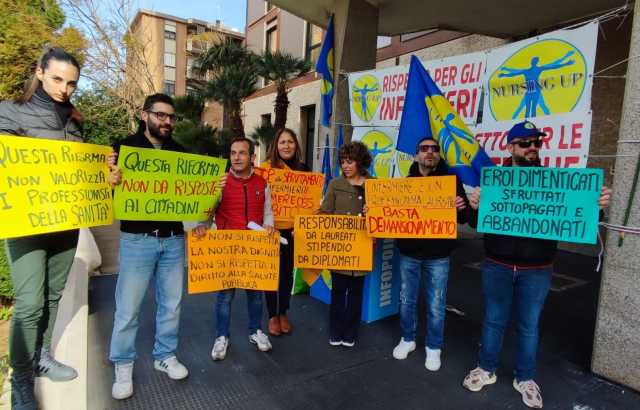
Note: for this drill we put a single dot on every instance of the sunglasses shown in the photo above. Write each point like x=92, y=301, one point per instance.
x=429, y=148
x=527, y=143
x=162, y=116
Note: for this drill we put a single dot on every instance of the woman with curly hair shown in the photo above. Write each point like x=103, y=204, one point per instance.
x=284, y=153
x=345, y=196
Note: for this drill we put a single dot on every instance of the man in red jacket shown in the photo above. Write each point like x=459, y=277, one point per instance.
x=245, y=198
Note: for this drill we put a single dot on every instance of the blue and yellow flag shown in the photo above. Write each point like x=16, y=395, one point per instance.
x=325, y=67
x=427, y=113
x=326, y=164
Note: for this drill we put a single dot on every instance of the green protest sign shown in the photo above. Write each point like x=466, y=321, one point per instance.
x=165, y=185
x=545, y=203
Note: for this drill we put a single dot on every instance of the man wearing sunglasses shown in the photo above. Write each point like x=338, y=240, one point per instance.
x=149, y=250
x=516, y=277
x=426, y=262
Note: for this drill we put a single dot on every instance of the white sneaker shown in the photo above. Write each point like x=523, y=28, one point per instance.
x=260, y=340
x=219, y=351
x=402, y=350
x=433, y=359
x=531, y=395
x=478, y=378
x=172, y=367
x=123, y=386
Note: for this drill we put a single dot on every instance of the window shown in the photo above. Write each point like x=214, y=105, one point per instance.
x=271, y=43
x=383, y=41
x=169, y=59
x=265, y=119
x=170, y=46
x=170, y=73
x=169, y=35
x=308, y=132
x=313, y=43
x=170, y=87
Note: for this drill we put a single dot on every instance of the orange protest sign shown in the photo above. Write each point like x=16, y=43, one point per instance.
x=338, y=242
x=422, y=207
x=293, y=192
x=233, y=259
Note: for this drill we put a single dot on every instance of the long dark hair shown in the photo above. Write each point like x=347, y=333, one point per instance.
x=53, y=53
x=274, y=157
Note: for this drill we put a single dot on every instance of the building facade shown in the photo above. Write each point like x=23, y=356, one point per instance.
x=170, y=45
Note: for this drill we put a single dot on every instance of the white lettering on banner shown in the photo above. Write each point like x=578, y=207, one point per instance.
x=386, y=275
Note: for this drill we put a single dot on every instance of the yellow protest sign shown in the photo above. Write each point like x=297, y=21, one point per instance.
x=338, y=242
x=49, y=186
x=166, y=185
x=233, y=259
x=422, y=207
x=293, y=192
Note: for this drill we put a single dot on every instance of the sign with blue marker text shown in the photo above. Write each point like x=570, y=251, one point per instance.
x=544, y=203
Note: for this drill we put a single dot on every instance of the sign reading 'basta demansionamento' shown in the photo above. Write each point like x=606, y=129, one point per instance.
x=545, y=203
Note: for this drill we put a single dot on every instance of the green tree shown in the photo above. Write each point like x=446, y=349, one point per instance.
x=264, y=134
x=280, y=68
x=105, y=118
x=231, y=72
x=26, y=28
x=189, y=106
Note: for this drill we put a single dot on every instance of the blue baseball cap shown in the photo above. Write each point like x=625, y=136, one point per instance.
x=524, y=129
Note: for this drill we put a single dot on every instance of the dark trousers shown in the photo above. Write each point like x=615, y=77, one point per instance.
x=346, y=306
x=40, y=265
x=278, y=301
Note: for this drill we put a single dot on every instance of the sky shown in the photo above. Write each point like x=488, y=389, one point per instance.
x=232, y=13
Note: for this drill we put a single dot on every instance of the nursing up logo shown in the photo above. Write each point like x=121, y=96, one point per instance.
x=382, y=150
x=365, y=97
x=458, y=144
x=544, y=78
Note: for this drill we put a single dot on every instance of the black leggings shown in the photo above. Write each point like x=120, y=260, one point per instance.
x=278, y=301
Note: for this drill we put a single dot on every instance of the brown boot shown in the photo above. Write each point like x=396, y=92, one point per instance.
x=285, y=326
x=274, y=326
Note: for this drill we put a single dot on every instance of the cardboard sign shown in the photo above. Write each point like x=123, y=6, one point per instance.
x=233, y=259
x=50, y=186
x=545, y=203
x=293, y=192
x=421, y=207
x=165, y=185
x=337, y=242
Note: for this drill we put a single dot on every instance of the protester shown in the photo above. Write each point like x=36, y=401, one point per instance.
x=41, y=263
x=426, y=261
x=345, y=196
x=149, y=250
x=245, y=198
x=283, y=153
x=516, y=275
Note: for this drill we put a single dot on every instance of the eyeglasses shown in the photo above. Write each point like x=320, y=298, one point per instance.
x=429, y=148
x=162, y=116
x=527, y=143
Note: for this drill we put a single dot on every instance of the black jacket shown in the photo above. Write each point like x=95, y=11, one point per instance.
x=140, y=140
x=517, y=250
x=433, y=248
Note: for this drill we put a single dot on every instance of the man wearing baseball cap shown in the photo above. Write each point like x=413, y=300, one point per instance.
x=516, y=277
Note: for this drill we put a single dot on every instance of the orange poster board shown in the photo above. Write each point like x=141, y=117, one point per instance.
x=338, y=242
x=226, y=259
x=422, y=207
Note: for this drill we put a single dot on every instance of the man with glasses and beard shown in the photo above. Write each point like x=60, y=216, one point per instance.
x=424, y=266
x=149, y=250
x=516, y=276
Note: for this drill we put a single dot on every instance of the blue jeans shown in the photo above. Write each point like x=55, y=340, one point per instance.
x=223, y=310
x=434, y=274
x=141, y=258
x=524, y=291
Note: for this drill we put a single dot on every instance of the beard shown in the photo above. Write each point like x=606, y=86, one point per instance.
x=161, y=133
x=523, y=161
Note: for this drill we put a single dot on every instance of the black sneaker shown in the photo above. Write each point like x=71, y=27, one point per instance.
x=22, y=395
x=47, y=366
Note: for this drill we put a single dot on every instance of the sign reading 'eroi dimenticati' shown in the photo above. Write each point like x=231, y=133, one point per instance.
x=545, y=203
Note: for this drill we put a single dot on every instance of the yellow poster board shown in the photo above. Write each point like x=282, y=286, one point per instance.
x=50, y=186
x=293, y=192
x=162, y=185
x=421, y=207
x=226, y=259
x=337, y=242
